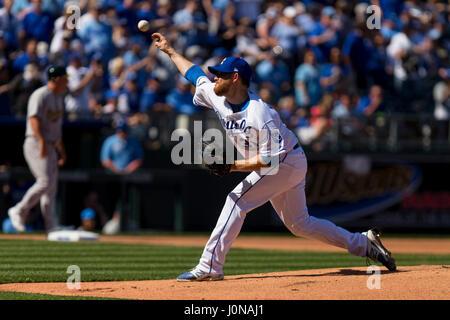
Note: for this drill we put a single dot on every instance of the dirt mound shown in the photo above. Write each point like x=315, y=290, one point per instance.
x=408, y=283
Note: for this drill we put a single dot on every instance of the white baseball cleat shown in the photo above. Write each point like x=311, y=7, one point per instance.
x=376, y=251
x=198, y=275
x=16, y=220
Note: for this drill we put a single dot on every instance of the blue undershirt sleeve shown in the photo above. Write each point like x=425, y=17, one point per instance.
x=193, y=73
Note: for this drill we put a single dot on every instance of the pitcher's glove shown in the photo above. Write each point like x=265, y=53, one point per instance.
x=214, y=158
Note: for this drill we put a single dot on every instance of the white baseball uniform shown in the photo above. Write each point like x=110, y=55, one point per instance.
x=285, y=189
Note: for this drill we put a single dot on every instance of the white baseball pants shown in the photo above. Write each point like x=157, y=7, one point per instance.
x=286, y=192
x=45, y=170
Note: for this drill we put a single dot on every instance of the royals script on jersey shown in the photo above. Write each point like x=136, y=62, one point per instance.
x=257, y=127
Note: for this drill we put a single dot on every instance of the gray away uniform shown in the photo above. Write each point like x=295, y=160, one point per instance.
x=48, y=108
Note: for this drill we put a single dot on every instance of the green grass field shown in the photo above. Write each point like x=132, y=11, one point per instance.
x=46, y=261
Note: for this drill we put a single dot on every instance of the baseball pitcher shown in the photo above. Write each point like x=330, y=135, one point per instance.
x=43, y=149
x=242, y=111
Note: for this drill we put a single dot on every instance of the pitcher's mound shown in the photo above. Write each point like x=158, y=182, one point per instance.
x=418, y=282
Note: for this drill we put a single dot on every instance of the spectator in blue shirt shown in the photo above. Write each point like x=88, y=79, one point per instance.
x=96, y=35
x=334, y=73
x=27, y=57
x=356, y=52
x=9, y=24
x=180, y=98
x=130, y=90
x=274, y=72
x=121, y=153
x=323, y=36
x=372, y=103
x=185, y=22
x=286, y=32
x=307, y=81
x=20, y=8
x=37, y=24
x=127, y=11
x=151, y=97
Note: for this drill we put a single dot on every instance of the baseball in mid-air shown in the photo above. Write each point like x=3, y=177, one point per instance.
x=143, y=25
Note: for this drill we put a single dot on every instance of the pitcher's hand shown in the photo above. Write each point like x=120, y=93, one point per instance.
x=161, y=42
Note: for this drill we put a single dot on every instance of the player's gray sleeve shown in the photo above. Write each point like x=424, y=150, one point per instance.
x=35, y=107
x=204, y=93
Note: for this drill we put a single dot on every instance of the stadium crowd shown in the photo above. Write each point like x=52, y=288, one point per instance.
x=315, y=61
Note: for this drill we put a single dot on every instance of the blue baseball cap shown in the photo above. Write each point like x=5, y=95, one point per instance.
x=122, y=126
x=233, y=65
x=87, y=213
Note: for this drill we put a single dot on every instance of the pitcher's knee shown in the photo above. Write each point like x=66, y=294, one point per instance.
x=237, y=204
x=300, y=227
x=43, y=185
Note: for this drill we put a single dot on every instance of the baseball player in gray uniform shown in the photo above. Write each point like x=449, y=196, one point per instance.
x=238, y=109
x=43, y=149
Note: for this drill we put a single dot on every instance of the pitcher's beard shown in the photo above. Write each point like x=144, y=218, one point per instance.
x=222, y=88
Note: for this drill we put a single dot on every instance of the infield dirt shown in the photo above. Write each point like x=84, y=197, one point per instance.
x=408, y=283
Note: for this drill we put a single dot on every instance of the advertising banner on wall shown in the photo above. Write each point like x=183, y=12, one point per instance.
x=359, y=192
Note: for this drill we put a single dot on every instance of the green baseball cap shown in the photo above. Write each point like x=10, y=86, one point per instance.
x=55, y=72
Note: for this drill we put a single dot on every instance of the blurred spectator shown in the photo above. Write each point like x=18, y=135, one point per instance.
x=20, y=8
x=304, y=19
x=9, y=24
x=117, y=73
x=264, y=25
x=112, y=108
x=120, y=154
x=126, y=10
x=319, y=124
x=120, y=36
x=307, y=81
x=60, y=54
x=372, y=103
x=250, y=9
x=334, y=73
x=37, y=24
x=441, y=94
x=96, y=35
x=79, y=85
x=185, y=21
x=343, y=108
x=398, y=50
x=378, y=66
x=356, y=53
x=323, y=36
x=246, y=45
x=286, y=32
x=62, y=30
x=21, y=87
x=217, y=56
x=129, y=95
x=29, y=56
x=5, y=106
x=93, y=215
x=87, y=217
x=274, y=72
x=146, y=10
x=288, y=109
x=152, y=98
x=181, y=98
x=219, y=13
x=322, y=111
